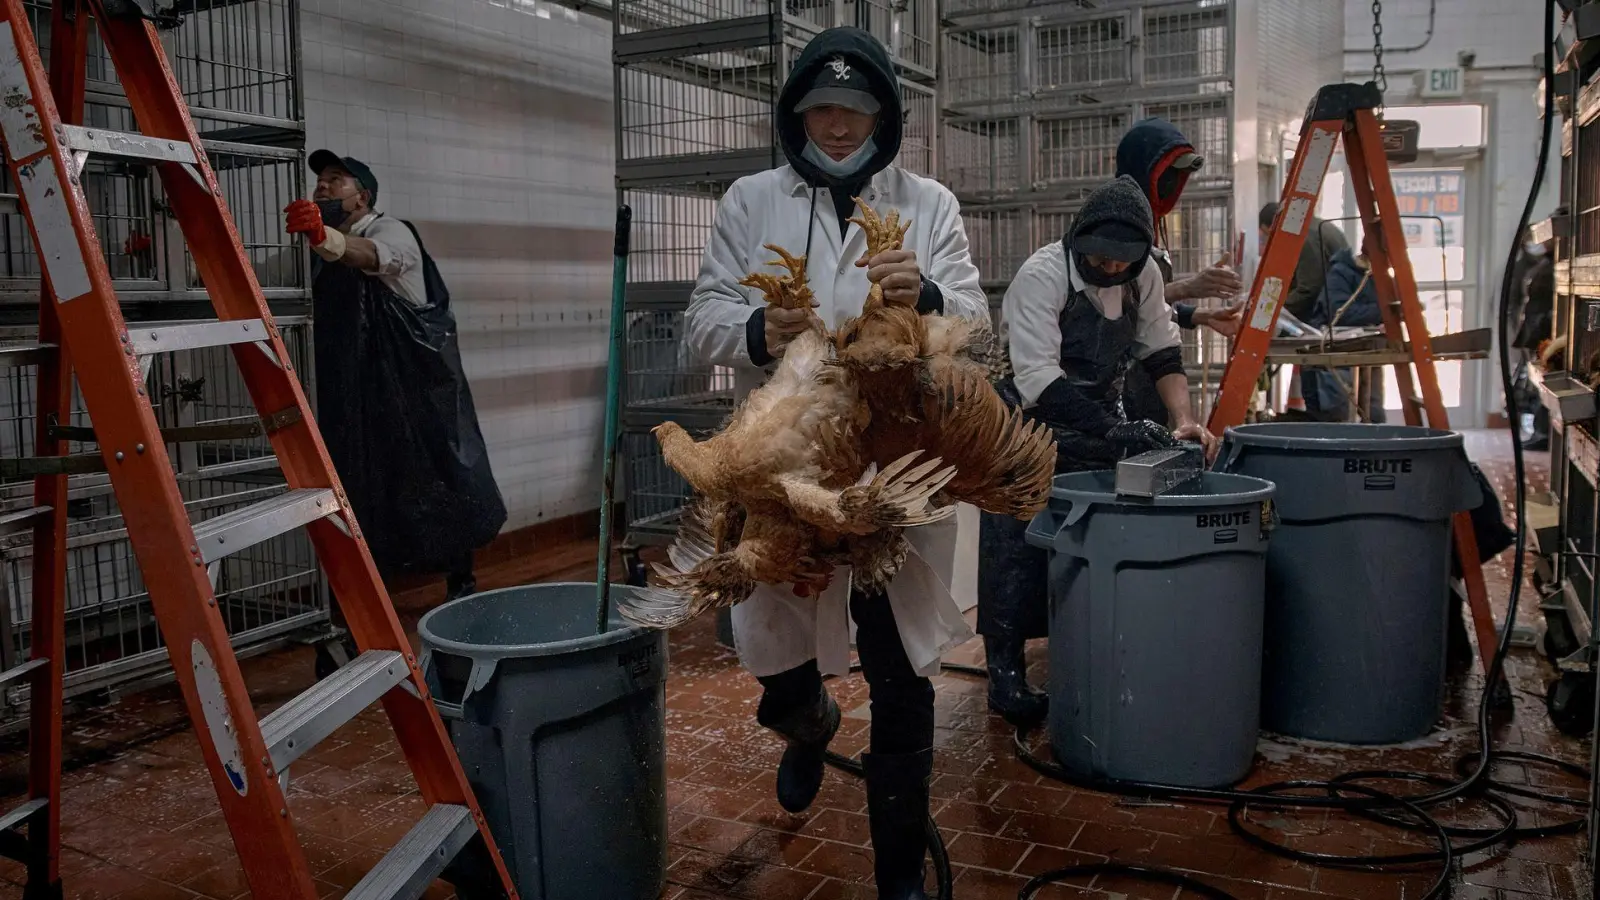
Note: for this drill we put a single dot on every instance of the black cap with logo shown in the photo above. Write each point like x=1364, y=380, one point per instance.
x=324, y=159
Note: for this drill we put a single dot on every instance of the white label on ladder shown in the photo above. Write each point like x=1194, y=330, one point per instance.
x=19, y=117
x=1295, y=217
x=219, y=721
x=52, y=225
x=40, y=185
x=1266, y=304
x=1314, y=164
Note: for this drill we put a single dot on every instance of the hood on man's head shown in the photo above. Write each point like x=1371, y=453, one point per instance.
x=1114, y=222
x=867, y=65
x=1155, y=154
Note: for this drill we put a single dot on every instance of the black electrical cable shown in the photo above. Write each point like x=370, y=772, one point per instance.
x=1403, y=811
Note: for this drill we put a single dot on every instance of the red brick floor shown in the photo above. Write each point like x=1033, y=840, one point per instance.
x=141, y=822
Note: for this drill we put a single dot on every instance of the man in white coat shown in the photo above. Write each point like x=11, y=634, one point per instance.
x=839, y=122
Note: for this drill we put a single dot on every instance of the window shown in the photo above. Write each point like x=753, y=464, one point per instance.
x=1444, y=126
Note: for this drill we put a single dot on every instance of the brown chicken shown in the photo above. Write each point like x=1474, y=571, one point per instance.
x=925, y=381
x=816, y=468
x=787, y=469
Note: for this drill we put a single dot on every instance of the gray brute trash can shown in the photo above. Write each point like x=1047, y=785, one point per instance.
x=562, y=733
x=1358, y=575
x=1155, y=627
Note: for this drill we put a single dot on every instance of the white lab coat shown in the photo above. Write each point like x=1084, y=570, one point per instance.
x=774, y=630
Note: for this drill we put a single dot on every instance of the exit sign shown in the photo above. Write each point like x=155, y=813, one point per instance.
x=1437, y=83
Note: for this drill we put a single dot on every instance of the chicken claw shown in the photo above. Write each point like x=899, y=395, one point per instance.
x=783, y=291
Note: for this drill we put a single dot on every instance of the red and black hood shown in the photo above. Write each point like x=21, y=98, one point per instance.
x=1157, y=155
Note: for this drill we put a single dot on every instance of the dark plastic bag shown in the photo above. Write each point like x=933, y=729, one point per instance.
x=1488, y=525
x=396, y=411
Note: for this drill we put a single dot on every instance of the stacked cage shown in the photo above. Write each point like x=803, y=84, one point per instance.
x=696, y=81
x=1036, y=97
x=1564, y=530
x=237, y=63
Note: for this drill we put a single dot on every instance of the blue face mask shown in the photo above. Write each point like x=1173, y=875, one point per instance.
x=333, y=212
x=840, y=168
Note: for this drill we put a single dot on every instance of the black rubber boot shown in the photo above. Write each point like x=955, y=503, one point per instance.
x=1009, y=693
x=897, y=814
x=808, y=730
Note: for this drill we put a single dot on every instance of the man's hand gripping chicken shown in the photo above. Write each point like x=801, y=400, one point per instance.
x=782, y=479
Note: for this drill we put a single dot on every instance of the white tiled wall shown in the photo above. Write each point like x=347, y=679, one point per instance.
x=489, y=125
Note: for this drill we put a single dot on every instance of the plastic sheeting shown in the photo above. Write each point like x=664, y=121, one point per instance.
x=397, y=415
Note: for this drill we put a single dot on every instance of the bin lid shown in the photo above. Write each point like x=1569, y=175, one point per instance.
x=1210, y=489
x=525, y=621
x=1342, y=436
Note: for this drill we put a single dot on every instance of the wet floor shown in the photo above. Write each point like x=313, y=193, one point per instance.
x=141, y=823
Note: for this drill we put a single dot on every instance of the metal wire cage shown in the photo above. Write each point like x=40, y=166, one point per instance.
x=1079, y=147
x=1000, y=242
x=656, y=493
x=981, y=155
x=1208, y=124
x=1080, y=53
x=919, y=139
x=1186, y=42
x=236, y=61
x=270, y=591
x=981, y=64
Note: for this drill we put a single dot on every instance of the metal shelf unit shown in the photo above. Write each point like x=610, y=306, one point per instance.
x=238, y=65
x=1570, y=599
x=695, y=84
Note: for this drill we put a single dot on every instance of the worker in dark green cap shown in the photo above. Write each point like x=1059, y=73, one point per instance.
x=393, y=403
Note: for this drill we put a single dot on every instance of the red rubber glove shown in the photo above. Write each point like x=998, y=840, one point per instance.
x=304, y=218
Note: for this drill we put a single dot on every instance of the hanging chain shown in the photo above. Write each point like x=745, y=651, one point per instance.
x=1379, y=77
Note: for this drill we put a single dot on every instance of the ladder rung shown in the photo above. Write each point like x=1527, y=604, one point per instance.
x=407, y=870
x=16, y=672
x=126, y=145
x=234, y=531
x=10, y=204
x=13, y=355
x=21, y=814
x=303, y=722
x=21, y=519
x=165, y=338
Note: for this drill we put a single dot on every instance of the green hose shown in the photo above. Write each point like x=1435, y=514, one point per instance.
x=619, y=285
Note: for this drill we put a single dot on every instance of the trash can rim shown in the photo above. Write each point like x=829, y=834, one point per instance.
x=547, y=648
x=1284, y=436
x=1251, y=490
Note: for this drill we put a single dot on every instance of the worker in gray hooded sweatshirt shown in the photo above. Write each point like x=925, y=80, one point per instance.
x=839, y=122
x=1078, y=314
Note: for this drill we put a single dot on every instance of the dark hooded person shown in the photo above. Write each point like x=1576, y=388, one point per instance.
x=1155, y=154
x=839, y=122
x=1078, y=314
x=393, y=403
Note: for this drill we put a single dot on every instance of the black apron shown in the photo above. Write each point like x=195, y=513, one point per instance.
x=1012, y=575
x=398, y=419
x=1140, y=399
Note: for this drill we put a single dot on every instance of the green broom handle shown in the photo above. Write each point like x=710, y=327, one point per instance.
x=619, y=285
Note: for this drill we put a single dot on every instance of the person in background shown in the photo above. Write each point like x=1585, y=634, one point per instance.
x=1323, y=241
x=1538, y=288
x=839, y=118
x=393, y=403
x=1156, y=155
x=1079, y=313
x=1348, y=298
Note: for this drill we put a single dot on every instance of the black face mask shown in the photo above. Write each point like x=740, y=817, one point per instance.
x=333, y=212
x=1098, y=278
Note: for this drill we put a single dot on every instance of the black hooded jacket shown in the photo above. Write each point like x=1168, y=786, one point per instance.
x=1144, y=145
x=863, y=51
x=859, y=48
x=1118, y=207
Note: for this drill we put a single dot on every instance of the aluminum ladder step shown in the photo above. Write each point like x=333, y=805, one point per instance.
x=22, y=813
x=18, y=671
x=147, y=338
x=305, y=721
x=406, y=871
x=126, y=145
x=231, y=532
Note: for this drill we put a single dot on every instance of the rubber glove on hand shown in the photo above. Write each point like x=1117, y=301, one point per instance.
x=303, y=217
x=1133, y=438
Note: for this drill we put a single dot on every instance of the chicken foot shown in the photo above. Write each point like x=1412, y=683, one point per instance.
x=883, y=233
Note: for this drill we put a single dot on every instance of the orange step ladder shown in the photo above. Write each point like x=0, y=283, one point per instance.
x=1349, y=111
x=81, y=322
